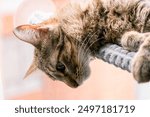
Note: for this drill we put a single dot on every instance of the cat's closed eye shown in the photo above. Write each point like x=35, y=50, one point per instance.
x=60, y=67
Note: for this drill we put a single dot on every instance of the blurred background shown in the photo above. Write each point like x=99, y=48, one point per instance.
x=105, y=82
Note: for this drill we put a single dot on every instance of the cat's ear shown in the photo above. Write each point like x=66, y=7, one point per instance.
x=31, y=69
x=32, y=34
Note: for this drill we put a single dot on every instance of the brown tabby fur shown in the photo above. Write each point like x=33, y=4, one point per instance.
x=77, y=32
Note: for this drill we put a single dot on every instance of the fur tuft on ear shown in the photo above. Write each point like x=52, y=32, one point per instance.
x=31, y=69
x=30, y=33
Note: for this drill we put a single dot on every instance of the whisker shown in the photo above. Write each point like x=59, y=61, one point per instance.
x=91, y=44
x=83, y=46
x=87, y=51
x=88, y=48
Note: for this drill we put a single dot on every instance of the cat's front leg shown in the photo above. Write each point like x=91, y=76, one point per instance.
x=141, y=62
x=140, y=43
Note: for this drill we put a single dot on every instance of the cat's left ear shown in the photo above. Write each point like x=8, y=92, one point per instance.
x=32, y=34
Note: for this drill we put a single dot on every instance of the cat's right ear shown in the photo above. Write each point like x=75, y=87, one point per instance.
x=32, y=34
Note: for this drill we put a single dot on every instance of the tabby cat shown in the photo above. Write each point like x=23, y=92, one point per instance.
x=65, y=44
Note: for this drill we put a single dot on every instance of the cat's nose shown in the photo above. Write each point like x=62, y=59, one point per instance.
x=73, y=84
x=79, y=81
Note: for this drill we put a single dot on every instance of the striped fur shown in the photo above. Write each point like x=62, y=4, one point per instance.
x=65, y=44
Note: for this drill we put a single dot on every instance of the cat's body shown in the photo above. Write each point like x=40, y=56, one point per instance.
x=66, y=43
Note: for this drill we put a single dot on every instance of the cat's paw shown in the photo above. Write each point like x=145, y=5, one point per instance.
x=141, y=65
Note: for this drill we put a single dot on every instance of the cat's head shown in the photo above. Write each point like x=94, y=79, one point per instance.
x=58, y=55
